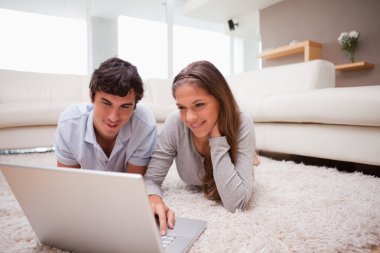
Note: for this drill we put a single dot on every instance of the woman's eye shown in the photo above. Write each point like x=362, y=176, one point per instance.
x=181, y=107
x=199, y=104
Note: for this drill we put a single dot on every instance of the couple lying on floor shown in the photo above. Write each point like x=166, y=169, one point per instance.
x=211, y=141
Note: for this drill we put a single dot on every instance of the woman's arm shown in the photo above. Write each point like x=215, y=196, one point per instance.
x=162, y=158
x=234, y=181
x=158, y=168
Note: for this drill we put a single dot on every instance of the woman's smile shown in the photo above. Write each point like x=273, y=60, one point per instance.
x=196, y=125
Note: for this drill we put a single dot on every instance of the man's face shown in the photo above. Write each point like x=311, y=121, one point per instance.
x=111, y=113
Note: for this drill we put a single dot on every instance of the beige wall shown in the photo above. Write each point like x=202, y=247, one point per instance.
x=323, y=21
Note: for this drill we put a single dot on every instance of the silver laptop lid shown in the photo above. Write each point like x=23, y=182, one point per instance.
x=85, y=211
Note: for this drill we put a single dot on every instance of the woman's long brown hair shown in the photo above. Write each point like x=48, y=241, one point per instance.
x=205, y=75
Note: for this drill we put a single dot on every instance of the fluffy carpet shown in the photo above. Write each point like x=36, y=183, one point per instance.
x=295, y=208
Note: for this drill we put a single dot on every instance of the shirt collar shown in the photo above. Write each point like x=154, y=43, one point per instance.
x=90, y=131
x=126, y=131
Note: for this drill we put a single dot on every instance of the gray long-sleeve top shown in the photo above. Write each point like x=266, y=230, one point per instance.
x=233, y=181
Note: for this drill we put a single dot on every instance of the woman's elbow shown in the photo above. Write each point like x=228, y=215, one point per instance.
x=240, y=204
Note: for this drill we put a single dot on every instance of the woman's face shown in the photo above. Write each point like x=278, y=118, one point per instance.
x=198, y=109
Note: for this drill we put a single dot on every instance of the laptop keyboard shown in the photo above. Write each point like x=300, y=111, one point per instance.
x=167, y=240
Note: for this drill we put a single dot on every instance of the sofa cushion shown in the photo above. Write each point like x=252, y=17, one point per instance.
x=359, y=106
x=158, y=91
x=31, y=113
x=344, y=143
x=28, y=86
x=158, y=97
x=161, y=112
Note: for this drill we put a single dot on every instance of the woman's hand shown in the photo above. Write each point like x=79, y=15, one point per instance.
x=166, y=216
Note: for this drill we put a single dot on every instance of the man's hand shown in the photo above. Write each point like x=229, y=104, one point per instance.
x=136, y=169
x=165, y=215
x=59, y=164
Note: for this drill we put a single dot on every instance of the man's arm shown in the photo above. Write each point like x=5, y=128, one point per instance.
x=77, y=166
x=130, y=168
x=62, y=149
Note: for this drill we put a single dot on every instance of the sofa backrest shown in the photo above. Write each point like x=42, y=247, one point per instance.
x=288, y=78
x=29, y=86
x=158, y=97
x=159, y=91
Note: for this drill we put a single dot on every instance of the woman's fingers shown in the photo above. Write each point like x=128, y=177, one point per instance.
x=171, y=218
x=161, y=213
x=166, y=216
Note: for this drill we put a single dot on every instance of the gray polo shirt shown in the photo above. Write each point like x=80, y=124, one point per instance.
x=75, y=140
x=233, y=181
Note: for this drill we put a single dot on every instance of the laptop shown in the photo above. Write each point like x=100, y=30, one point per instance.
x=94, y=211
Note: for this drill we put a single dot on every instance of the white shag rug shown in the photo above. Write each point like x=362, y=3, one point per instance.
x=295, y=208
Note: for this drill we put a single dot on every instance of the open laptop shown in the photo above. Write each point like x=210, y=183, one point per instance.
x=93, y=211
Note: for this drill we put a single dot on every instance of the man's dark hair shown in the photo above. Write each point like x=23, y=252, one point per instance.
x=117, y=77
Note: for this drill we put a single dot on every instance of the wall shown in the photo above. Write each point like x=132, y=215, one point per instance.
x=251, y=47
x=248, y=31
x=323, y=21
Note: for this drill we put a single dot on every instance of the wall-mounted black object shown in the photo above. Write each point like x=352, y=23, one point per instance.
x=232, y=25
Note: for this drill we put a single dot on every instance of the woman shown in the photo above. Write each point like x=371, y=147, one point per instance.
x=211, y=141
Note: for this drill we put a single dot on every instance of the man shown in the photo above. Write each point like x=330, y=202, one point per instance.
x=113, y=133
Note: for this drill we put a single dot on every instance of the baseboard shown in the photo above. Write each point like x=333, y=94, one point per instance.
x=340, y=165
x=26, y=150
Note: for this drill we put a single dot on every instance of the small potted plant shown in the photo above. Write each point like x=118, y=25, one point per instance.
x=348, y=41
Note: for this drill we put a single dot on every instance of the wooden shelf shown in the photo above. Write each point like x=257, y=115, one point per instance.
x=354, y=66
x=311, y=50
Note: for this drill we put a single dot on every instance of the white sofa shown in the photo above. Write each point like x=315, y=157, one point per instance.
x=296, y=109
x=30, y=104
